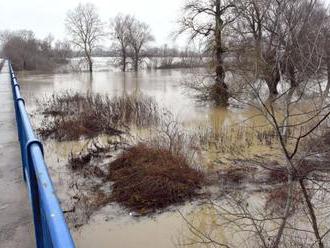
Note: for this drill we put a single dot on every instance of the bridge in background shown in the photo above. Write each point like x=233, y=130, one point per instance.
x=22, y=225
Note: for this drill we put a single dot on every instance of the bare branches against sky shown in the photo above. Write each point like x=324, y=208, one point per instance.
x=44, y=16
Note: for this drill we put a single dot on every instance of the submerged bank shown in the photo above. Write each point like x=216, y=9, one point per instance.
x=233, y=157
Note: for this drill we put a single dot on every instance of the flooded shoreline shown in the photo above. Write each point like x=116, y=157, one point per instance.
x=236, y=144
x=111, y=224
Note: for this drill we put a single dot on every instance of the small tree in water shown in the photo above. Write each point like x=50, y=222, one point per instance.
x=120, y=35
x=206, y=20
x=130, y=37
x=139, y=37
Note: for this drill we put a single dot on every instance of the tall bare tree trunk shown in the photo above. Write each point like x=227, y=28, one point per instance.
x=292, y=76
x=221, y=94
x=124, y=57
x=90, y=65
x=89, y=58
x=326, y=92
x=327, y=89
x=136, y=63
x=272, y=83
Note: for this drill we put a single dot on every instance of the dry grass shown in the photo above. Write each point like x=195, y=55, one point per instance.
x=237, y=139
x=70, y=116
x=147, y=179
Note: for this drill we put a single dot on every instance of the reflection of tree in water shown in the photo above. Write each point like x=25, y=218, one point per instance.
x=124, y=83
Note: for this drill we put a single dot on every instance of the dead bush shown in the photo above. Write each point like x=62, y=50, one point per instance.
x=278, y=175
x=277, y=198
x=70, y=116
x=86, y=162
x=234, y=176
x=147, y=179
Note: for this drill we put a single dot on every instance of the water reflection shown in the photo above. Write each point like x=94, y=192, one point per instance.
x=162, y=85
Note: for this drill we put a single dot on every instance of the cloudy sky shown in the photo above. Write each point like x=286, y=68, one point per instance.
x=45, y=16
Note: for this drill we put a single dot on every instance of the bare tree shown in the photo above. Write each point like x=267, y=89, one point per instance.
x=251, y=29
x=207, y=19
x=139, y=36
x=276, y=37
x=120, y=27
x=85, y=28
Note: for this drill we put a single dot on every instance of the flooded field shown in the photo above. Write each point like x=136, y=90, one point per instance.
x=231, y=136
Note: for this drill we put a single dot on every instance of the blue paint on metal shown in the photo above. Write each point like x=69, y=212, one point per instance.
x=51, y=230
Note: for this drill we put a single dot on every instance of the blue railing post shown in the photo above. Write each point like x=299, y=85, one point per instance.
x=51, y=229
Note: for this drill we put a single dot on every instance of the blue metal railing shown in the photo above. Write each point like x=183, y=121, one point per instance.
x=51, y=229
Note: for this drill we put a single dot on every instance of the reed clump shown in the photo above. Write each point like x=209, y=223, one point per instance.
x=70, y=116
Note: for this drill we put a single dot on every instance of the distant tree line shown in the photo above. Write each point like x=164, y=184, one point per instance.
x=130, y=37
x=29, y=53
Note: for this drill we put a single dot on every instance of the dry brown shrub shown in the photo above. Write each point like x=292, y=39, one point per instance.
x=78, y=162
x=70, y=116
x=278, y=175
x=84, y=162
x=276, y=200
x=147, y=179
x=236, y=176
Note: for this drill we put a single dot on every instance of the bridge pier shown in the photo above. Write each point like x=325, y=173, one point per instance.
x=16, y=220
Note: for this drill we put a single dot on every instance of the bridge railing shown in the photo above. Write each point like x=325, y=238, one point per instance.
x=51, y=229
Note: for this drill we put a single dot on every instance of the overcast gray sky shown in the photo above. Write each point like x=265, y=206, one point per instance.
x=45, y=16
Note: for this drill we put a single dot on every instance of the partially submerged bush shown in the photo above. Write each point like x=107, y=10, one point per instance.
x=302, y=170
x=147, y=179
x=278, y=175
x=276, y=200
x=83, y=162
x=70, y=116
x=320, y=143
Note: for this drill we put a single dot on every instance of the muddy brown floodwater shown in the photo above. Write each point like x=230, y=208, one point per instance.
x=112, y=226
